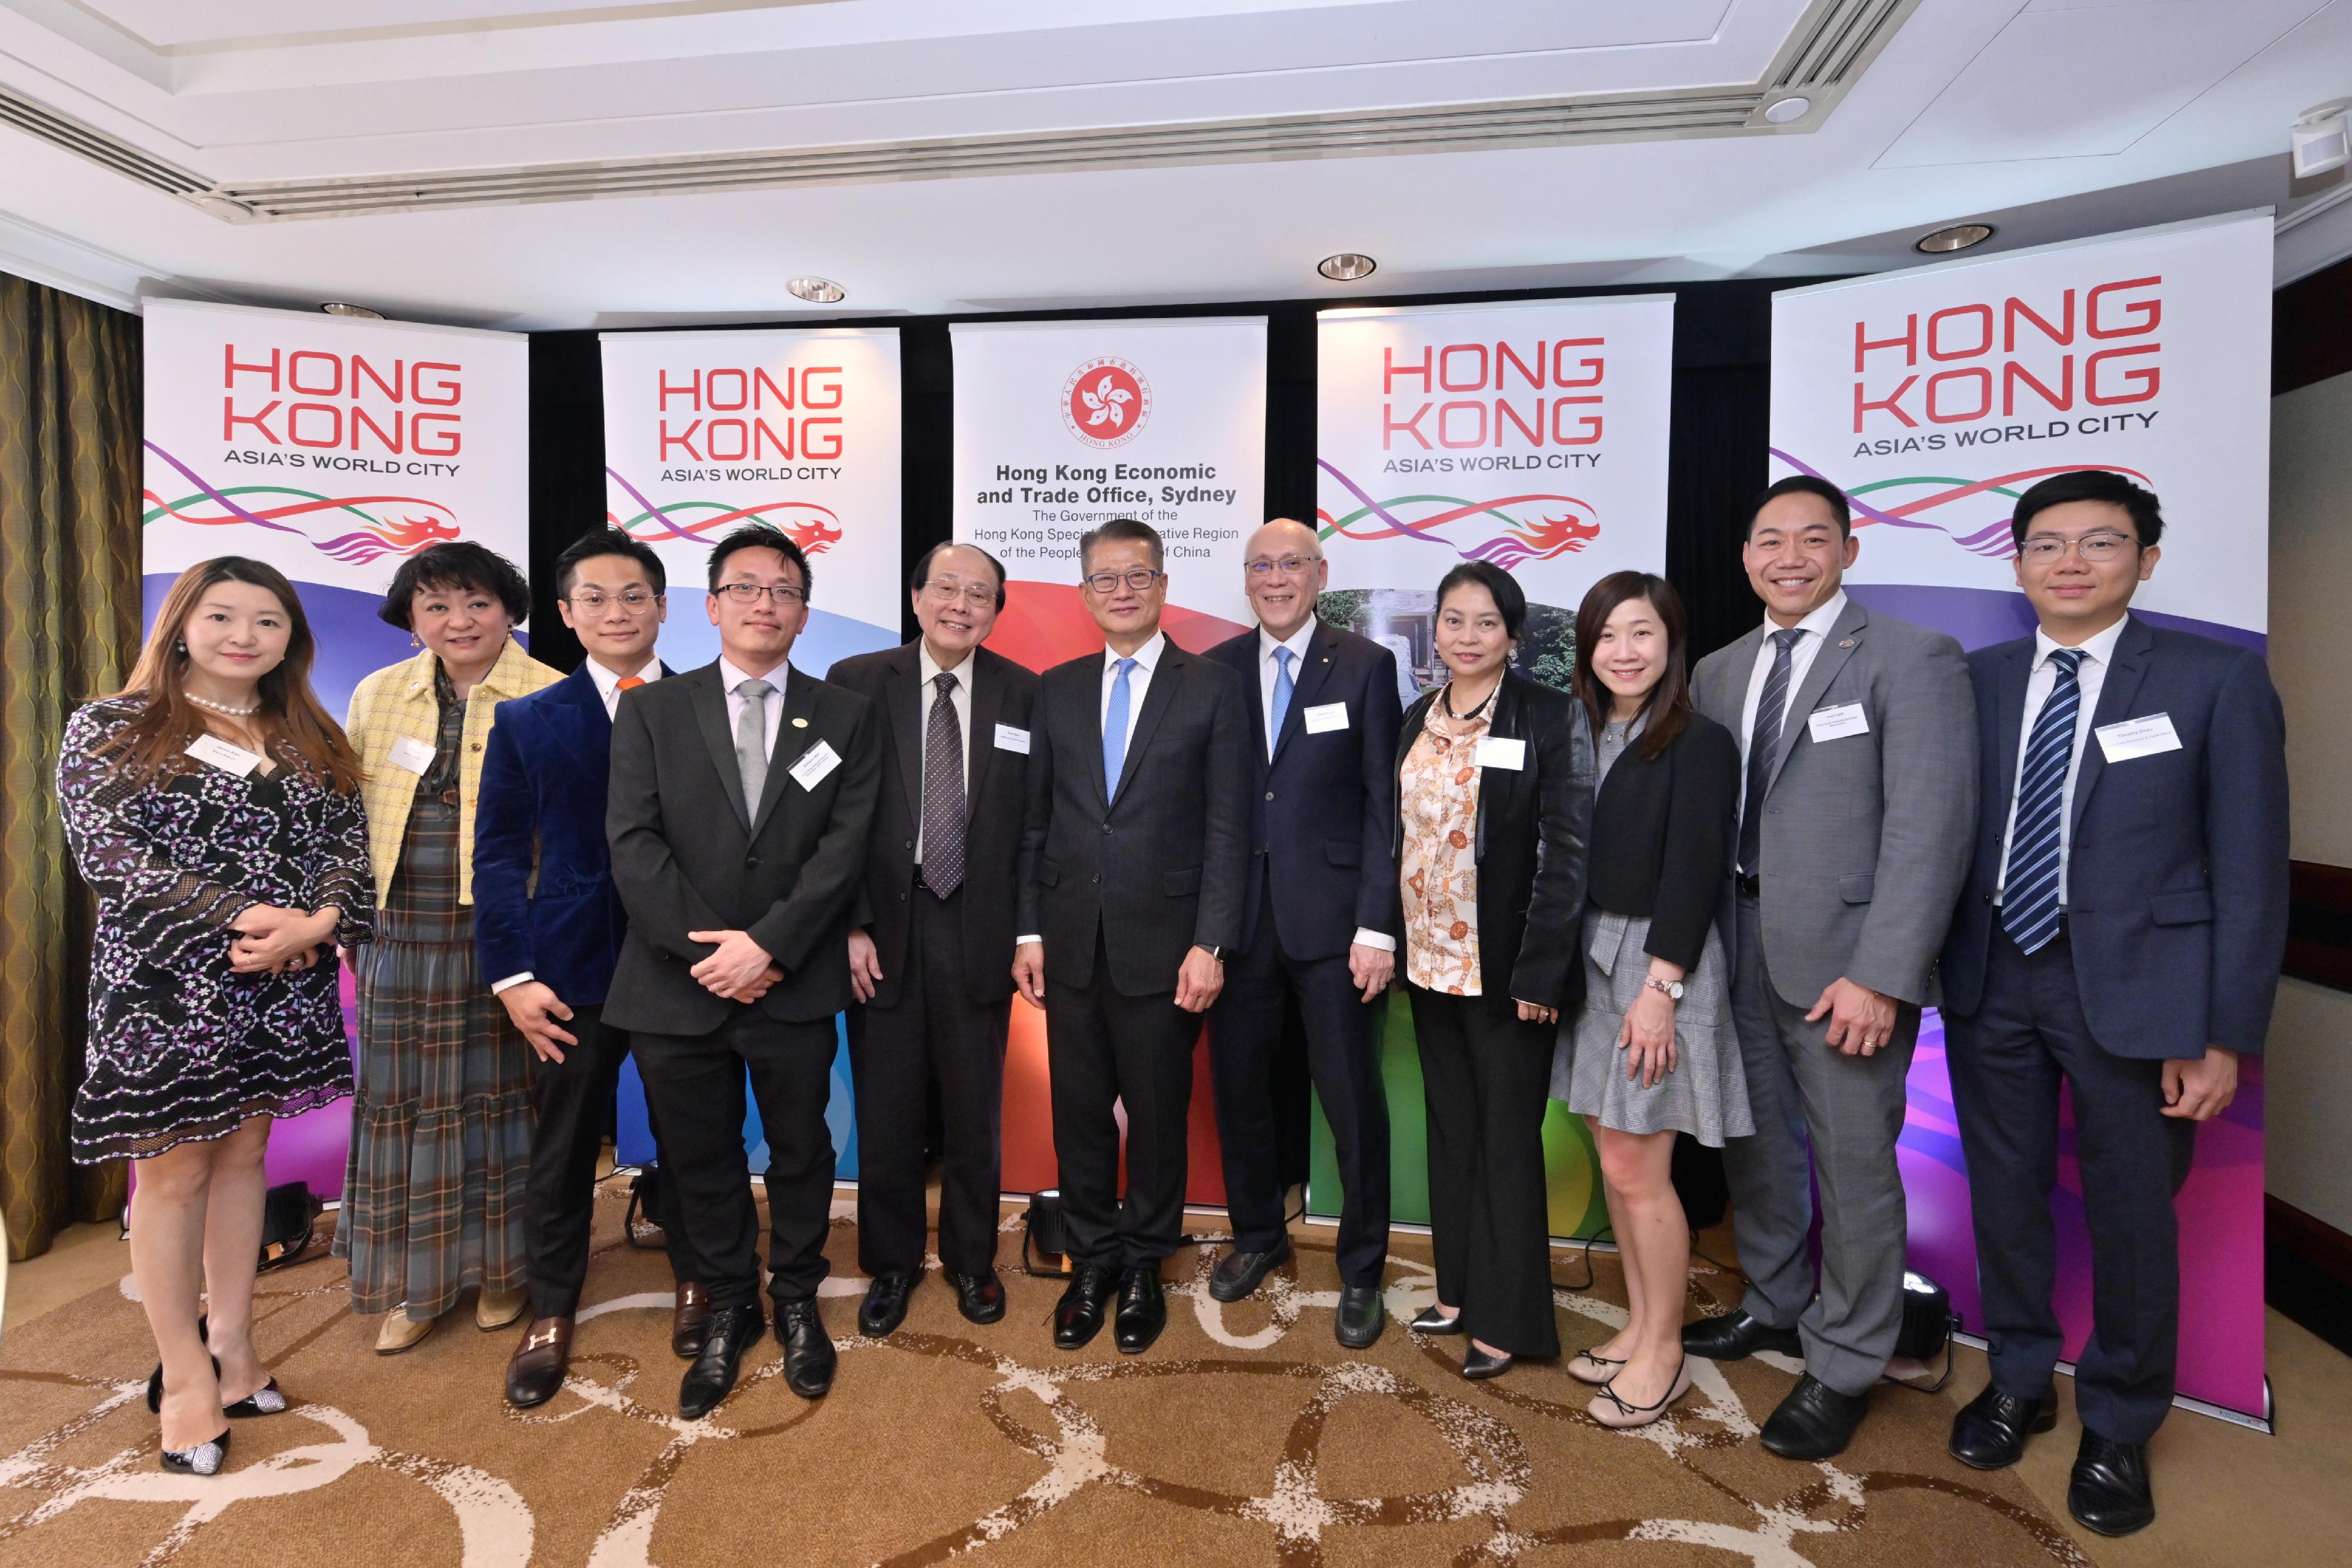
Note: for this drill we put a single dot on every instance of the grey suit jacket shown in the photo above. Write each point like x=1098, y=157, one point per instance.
x=1865, y=838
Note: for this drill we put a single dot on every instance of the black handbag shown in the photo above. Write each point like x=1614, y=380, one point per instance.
x=1044, y=1228
x=290, y=1218
x=1928, y=1324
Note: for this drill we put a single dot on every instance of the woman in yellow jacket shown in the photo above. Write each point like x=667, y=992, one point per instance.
x=433, y=1195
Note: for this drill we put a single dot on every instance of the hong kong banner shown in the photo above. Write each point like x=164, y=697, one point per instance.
x=333, y=449
x=1934, y=397
x=1532, y=436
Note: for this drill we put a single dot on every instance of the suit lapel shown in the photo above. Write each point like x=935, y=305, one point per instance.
x=1157, y=699
x=2017, y=669
x=581, y=723
x=1730, y=685
x=1309, y=685
x=793, y=736
x=2115, y=696
x=710, y=717
x=902, y=700
x=1844, y=637
x=980, y=745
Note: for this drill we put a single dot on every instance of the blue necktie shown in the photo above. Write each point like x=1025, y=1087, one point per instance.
x=1115, y=730
x=1281, y=696
x=2029, y=901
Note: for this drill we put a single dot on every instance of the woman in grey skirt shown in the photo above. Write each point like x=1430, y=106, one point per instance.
x=1652, y=1052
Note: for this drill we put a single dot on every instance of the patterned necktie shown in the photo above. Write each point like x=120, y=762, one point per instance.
x=2029, y=899
x=1281, y=696
x=1763, y=741
x=1115, y=730
x=943, y=791
x=751, y=742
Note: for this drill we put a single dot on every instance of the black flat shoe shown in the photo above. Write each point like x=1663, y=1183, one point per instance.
x=1142, y=1310
x=1814, y=1422
x=1989, y=1432
x=885, y=1307
x=1478, y=1365
x=204, y=1459
x=1239, y=1274
x=2109, y=1491
x=1362, y=1316
x=809, y=1355
x=712, y=1377
x=1735, y=1336
x=979, y=1297
x=1078, y=1315
x=1429, y=1319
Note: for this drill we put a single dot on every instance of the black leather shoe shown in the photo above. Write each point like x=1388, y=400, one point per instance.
x=809, y=1357
x=979, y=1297
x=535, y=1372
x=1078, y=1315
x=1478, y=1366
x=2109, y=1491
x=1239, y=1274
x=1815, y=1422
x=1735, y=1336
x=1989, y=1432
x=689, y=1320
x=712, y=1375
x=885, y=1307
x=1142, y=1310
x=1429, y=1319
x=1362, y=1316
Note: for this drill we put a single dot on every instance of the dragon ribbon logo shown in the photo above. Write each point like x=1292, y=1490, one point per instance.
x=353, y=529
x=1534, y=527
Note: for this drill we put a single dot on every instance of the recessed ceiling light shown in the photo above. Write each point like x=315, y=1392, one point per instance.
x=1958, y=236
x=1347, y=267
x=357, y=312
x=1787, y=109
x=226, y=208
x=817, y=290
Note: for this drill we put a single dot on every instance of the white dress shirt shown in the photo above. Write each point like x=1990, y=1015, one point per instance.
x=1816, y=629
x=2090, y=676
x=1268, y=666
x=961, y=701
x=1139, y=681
x=732, y=680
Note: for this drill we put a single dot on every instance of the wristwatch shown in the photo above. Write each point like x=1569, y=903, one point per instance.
x=1673, y=988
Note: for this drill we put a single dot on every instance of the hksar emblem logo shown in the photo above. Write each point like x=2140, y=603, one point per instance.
x=1106, y=402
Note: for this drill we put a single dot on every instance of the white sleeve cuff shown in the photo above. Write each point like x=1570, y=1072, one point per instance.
x=1025, y=941
x=511, y=980
x=1367, y=937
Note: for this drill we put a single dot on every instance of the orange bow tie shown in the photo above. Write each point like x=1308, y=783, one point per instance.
x=629, y=683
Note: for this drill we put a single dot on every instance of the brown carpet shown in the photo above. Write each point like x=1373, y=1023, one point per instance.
x=1245, y=1436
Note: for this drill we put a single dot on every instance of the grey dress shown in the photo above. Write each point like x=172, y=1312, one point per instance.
x=1707, y=1093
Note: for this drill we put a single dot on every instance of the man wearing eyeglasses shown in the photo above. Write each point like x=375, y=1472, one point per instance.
x=931, y=956
x=1139, y=837
x=742, y=793
x=2121, y=931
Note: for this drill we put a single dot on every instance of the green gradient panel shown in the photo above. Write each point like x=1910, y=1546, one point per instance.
x=1571, y=1171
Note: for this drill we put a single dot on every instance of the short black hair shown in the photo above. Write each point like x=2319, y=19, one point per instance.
x=1804, y=484
x=1119, y=529
x=608, y=542
x=451, y=565
x=1509, y=598
x=761, y=536
x=2091, y=484
x=922, y=572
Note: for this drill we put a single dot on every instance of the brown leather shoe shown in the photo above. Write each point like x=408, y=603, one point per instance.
x=536, y=1370
x=689, y=1321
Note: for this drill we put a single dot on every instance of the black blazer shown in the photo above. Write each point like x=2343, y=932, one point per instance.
x=1323, y=809
x=686, y=858
x=1158, y=870
x=1663, y=828
x=1534, y=823
x=997, y=804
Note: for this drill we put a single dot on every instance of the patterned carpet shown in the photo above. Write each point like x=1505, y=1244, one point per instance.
x=1245, y=1436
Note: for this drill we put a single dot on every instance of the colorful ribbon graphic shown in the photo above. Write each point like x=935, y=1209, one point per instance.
x=378, y=536
x=1992, y=541
x=1522, y=542
x=814, y=534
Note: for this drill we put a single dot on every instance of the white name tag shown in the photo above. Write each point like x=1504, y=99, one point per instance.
x=815, y=763
x=410, y=755
x=1836, y=723
x=1326, y=717
x=1494, y=752
x=2138, y=738
x=1011, y=739
x=224, y=754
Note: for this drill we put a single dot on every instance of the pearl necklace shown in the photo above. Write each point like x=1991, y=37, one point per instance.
x=223, y=707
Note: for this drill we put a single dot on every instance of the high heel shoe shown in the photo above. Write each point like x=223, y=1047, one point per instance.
x=156, y=1379
x=1429, y=1319
x=1478, y=1366
x=204, y=1459
x=1610, y=1410
x=266, y=1400
x=1586, y=1368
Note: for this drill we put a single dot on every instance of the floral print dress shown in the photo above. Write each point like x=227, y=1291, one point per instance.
x=1439, y=872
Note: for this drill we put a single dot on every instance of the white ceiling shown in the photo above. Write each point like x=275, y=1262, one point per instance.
x=2058, y=117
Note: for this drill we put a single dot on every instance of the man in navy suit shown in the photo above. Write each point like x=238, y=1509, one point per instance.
x=548, y=924
x=2120, y=930
x=1319, y=918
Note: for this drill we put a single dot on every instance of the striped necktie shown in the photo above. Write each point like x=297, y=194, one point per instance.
x=2029, y=902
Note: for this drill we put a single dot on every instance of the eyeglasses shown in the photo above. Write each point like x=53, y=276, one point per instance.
x=976, y=594
x=632, y=601
x=1137, y=577
x=1289, y=566
x=750, y=593
x=2042, y=549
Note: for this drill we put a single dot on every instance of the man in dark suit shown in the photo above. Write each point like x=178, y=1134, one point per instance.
x=742, y=793
x=1319, y=919
x=1139, y=835
x=931, y=960
x=2121, y=931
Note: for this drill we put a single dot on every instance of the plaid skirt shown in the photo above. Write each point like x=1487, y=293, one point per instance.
x=441, y=1125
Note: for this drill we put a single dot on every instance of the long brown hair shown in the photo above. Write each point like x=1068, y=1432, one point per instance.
x=1668, y=704
x=291, y=723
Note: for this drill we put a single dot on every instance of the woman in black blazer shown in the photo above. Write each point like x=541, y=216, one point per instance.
x=1495, y=776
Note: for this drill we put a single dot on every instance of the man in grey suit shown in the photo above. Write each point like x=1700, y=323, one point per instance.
x=1859, y=789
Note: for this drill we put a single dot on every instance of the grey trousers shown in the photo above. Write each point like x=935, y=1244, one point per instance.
x=1844, y=1112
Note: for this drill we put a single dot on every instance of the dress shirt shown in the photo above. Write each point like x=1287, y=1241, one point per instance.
x=1816, y=629
x=2090, y=676
x=608, y=685
x=1268, y=666
x=961, y=701
x=1139, y=681
x=730, y=678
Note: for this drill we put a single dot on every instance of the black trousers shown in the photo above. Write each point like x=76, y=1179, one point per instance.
x=569, y=1099
x=935, y=1033
x=2007, y=1062
x=1103, y=1049
x=1487, y=1079
x=694, y=1085
x=1248, y=1046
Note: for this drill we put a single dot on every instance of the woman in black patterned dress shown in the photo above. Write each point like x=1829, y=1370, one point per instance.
x=215, y=807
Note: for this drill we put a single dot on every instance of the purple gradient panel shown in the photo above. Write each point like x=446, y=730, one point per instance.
x=1981, y=617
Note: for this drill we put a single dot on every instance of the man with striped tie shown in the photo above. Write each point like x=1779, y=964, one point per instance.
x=2120, y=931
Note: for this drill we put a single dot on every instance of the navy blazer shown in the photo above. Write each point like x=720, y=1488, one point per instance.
x=543, y=895
x=1323, y=809
x=2177, y=871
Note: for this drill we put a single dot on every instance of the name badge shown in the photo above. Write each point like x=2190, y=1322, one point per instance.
x=1495, y=752
x=1836, y=723
x=815, y=763
x=224, y=754
x=2138, y=738
x=1324, y=717
x=410, y=755
x=1011, y=739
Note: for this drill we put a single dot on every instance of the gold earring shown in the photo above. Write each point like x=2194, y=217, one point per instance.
x=415, y=640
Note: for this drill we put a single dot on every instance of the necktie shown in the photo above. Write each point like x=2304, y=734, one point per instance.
x=943, y=791
x=2029, y=900
x=629, y=683
x=1281, y=696
x=1763, y=741
x=751, y=742
x=1115, y=730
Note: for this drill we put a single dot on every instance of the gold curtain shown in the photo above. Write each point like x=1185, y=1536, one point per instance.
x=69, y=615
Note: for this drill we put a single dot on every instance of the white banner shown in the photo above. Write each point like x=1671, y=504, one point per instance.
x=705, y=431
x=1062, y=426
x=1936, y=396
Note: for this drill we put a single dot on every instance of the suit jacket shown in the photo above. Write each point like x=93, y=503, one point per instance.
x=1864, y=838
x=543, y=896
x=1663, y=828
x=1323, y=809
x=1158, y=870
x=996, y=805
x=688, y=857
x=1534, y=828
x=2177, y=868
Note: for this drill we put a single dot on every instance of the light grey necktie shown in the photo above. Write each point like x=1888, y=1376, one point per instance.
x=751, y=742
